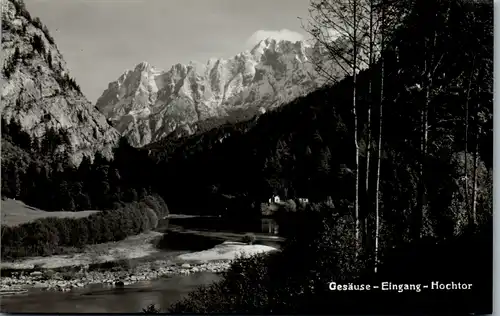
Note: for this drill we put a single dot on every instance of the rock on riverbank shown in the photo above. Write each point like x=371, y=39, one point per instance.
x=19, y=282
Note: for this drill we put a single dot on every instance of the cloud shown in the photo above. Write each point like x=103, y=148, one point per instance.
x=283, y=34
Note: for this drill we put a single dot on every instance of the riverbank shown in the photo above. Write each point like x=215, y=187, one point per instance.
x=20, y=282
x=215, y=260
x=108, y=300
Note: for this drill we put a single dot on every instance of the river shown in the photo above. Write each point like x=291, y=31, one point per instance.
x=266, y=226
x=132, y=298
x=98, y=299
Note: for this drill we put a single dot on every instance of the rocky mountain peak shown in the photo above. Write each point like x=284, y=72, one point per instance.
x=38, y=92
x=147, y=104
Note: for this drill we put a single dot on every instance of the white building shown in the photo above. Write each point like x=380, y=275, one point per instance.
x=275, y=199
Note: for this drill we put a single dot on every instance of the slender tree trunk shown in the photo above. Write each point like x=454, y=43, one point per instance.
x=466, y=171
x=379, y=158
x=424, y=158
x=421, y=199
x=354, y=112
x=466, y=161
x=474, y=179
x=379, y=142
x=356, y=200
x=475, y=167
x=369, y=119
x=367, y=179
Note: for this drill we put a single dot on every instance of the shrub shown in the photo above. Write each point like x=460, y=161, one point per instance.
x=116, y=205
x=67, y=276
x=163, y=205
x=245, y=288
x=124, y=264
x=38, y=44
x=290, y=206
x=21, y=9
x=249, y=239
x=157, y=204
x=151, y=309
x=152, y=217
x=48, y=35
x=268, y=209
x=94, y=257
x=48, y=274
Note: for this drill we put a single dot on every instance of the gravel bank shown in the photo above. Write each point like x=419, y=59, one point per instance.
x=217, y=259
x=20, y=282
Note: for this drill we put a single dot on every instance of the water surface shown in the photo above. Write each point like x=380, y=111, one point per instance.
x=266, y=226
x=100, y=299
x=135, y=297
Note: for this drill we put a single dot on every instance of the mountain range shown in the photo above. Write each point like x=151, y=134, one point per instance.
x=146, y=104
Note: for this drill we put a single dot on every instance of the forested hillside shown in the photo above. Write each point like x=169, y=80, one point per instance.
x=405, y=151
x=304, y=149
x=40, y=174
x=396, y=161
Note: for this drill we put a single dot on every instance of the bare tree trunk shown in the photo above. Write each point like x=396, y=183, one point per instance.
x=424, y=157
x=474, y=179
x=379, y=158
x=475, y=167
x=368, y=152
x=466, y=162
x=356, y=200
x=355, y=116
x=379, y=142
x=369, y=116
x=421, y=199
x=466, y=171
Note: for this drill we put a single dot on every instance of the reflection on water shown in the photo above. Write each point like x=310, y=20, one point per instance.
x=269, y=226
x=258, y=225
x=98, y=299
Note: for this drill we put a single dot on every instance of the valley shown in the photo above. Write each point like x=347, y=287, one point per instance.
x=355, y=147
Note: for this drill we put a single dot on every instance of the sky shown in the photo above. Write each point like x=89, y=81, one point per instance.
x=100, y=39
